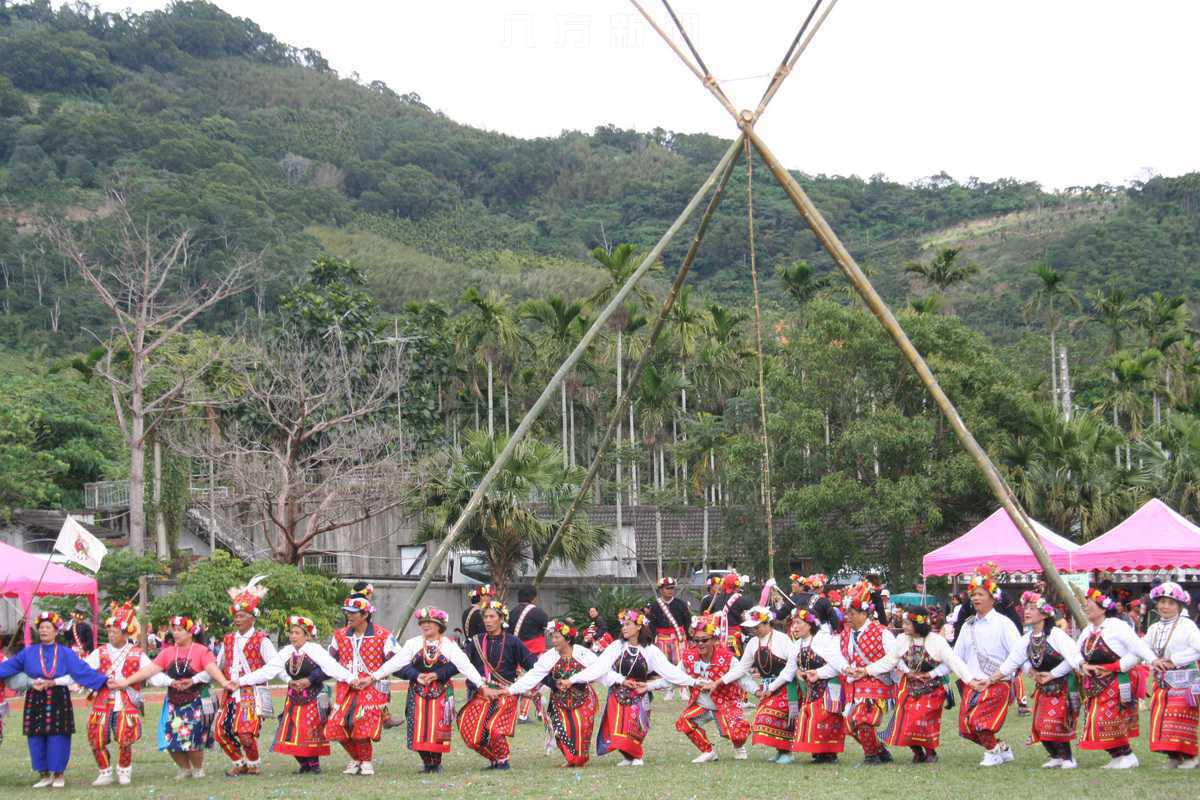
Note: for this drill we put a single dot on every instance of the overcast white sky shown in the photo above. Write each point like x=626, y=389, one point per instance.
x=1065, y=92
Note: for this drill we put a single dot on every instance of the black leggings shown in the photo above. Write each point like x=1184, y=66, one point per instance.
x=430, y=759
x=1058, y=750
x=1117, y=752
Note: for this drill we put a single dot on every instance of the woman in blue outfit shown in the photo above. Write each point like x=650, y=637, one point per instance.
x=49, y=718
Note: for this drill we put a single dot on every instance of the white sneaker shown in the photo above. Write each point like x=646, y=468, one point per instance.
x=1054, y=763
x=60, y=782
x=1189, y=763
x=351, y=768
x=124, y=775
x=624, y=762
x=704, y=758
x=198, y=773
x=1006, y=753
x=44, y=782
x=104, y=778
x=1126, y=762
x=1069, y=764
x=991, y=758
x=182, y=773
x=740, y=754
x=366, y=768
x=637, y=762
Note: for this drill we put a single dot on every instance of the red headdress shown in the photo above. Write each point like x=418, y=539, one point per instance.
x=730, y=583
x=247, y=598
x=304, y=623
x=666, y=583
x=816, y=581
x=123, y=617
x=858, y=597
x=984, y=578
x=1100, y=598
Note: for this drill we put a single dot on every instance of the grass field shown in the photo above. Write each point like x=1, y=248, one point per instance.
x=667, y=773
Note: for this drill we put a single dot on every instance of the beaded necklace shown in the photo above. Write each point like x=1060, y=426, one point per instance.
x=52, y=671
x=1160, y=642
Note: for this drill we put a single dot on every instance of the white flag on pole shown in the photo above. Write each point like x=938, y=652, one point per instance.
x=79, y=546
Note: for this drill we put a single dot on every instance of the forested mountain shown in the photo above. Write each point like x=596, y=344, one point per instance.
x=256, y=144
x=203, y=122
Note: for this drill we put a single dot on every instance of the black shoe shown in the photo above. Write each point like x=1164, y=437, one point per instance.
x=503, y=765
x=434, y=769
x=885, y=756
x=918, y=756
x=931, y=756
x=872, y=761
x=489, y=766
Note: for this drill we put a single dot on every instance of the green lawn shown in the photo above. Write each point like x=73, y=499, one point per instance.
x=667, y=773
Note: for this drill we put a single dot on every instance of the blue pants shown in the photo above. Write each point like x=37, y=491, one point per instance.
x=50, y=753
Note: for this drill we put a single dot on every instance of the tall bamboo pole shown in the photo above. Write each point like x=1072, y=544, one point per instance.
x=841, y=256
x=623, y=396
x=564, y=369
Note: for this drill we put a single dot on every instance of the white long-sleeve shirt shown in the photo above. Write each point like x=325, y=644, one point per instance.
x=117, y=657
x=827, y=647
x=546, y=661
x=1122, y=640
x=413, y=647
x=986, y=642
x=1177, y=640
x=656, y=662
x=277, y=666
x=780, y=646
x=235, y=663
x=936, y=647
x=1059, y=640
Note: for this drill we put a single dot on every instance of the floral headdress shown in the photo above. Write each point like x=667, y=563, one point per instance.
x=983, y=579
x=434, y=615
x=185, y=623
x=806, y=615
x=1171, y=590
x=479, y=592
x=666, y=583
x=498, y=607
x=757, y=616
x=247, y=598
x=921, y=617
x=123, y=617
x=714, y=580
x=816, y=581
x=858, y=597
x=1100, y=598
x=706, y=624
x=632, y=615
x=565, y=630
x=304, y=623
x=1044, y=606
x=357, y=604
x=800, y=579
x=364, y=588
x=731, y=583
x=48, y=616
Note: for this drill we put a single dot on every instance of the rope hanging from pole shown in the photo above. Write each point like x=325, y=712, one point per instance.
x=762, y=388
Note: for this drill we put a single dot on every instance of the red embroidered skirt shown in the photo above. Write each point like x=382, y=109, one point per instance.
x=625, y=723
x=300, y=732
x=105, y=726
x=430, y=716
x=358, y=714
x=572, y=722
x=486, y=725
x=667, y=640
x=1109, y=723
x=1053, y=716
x=770, y=727
x=1173, y=722
x=917, y=721
x=983, y=711
x=819, y=728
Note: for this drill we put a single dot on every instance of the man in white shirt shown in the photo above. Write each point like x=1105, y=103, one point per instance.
x=238, y=723
x=984, y=643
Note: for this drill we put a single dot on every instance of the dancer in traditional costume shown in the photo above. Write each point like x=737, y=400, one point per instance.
x=770, y=652
x=706, y=659
x=1175, y=640
x=530, y=628
x=596, y=636
x=985, y=641
x=572, y=709
x=184, y=726
x=819, y=728
x=77, y=633
x=811, y=596
x=1110, y=650
x=472, y=619
x=670, y=616
x=306, y=665
x=730, y=608
x=713, y=587
x=489, y=718
x=116, y=715
x=239, y=720
x=634, y=658
x=923, y=659
x=356, y=720
x=49, y=719
x=1052, y=656
x=429, y=662
x=866, y=646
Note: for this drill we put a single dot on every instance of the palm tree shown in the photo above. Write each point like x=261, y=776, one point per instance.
x=943, y=270
x=932, y=303
x=688, y=325
x=656, y=404
x=1130, y=376
x=556, y=338
x=1111, y=308
x=802, y=283
x=1164, y=320
x=1172, y=466
x=507, y=528
x=491, y=334
x=1047, y=300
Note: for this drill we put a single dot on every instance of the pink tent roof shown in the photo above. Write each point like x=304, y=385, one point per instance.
x=997, y=539
x=1153, y=537
x=19, y=573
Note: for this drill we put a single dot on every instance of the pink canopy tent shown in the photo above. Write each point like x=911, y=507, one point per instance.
x=19, y=573
x=997, y=539
x=1153, y=537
